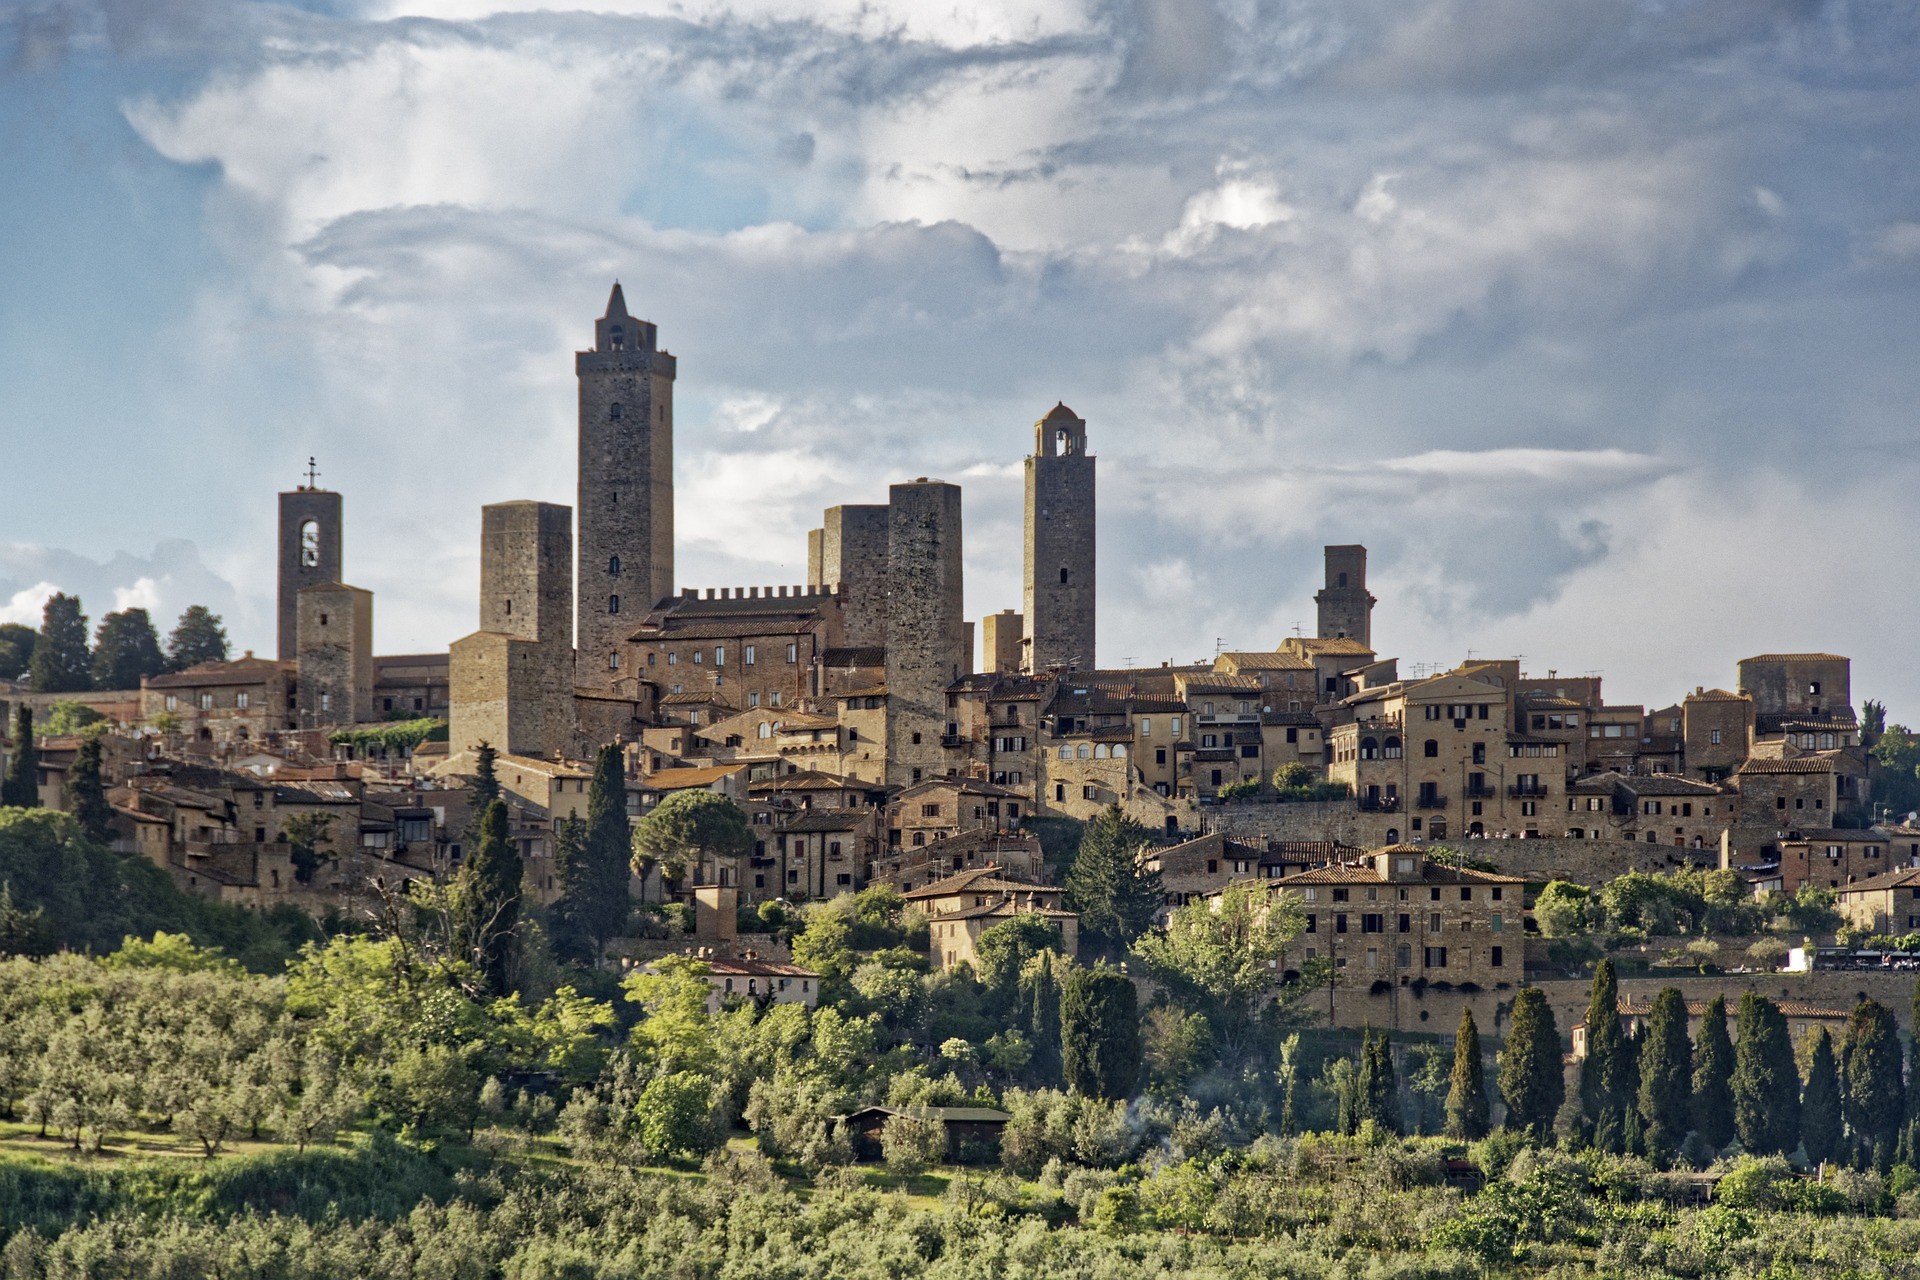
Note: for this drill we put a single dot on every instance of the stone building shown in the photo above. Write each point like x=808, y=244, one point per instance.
x=849, y=552
x=1827, y=858
x=1001, y=637
x=310, y=554
x=512, y=680
x=336, y=668
x=941, y=808
x=223, y=702
x=960, y=908
x=1797, y=686
x=1345, y=607
x=1718, y=730
x=1059, y=560
x=1886, y=903
x=410, y=684
x=750, y=647
x=625, y=486
x=926, y=626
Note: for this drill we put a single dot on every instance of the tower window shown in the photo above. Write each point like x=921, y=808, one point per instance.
x=613, y=566
x=613, y=411
x=613, y=604
x=617, y=338
x=1343, y=577
x=1063, y=577
x=509, y=608
x=310, y=545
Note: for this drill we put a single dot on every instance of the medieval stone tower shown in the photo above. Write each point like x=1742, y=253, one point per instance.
x=336, y=655
x=850, y=550
x=926, y=625
x=626, y=487
x=1059, y=556
x=1346, y=610
x=309, y=555
x=512, y=680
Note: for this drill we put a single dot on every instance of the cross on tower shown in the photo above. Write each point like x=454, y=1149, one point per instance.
x=313, y=474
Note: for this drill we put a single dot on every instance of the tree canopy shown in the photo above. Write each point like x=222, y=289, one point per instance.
x=196, y=638
x=61, y=661
x=686, y=827
x=1114, y=895
x=126, y=649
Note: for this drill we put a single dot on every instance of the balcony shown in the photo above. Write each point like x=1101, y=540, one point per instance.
x=1430, y=802
x=1528, y=791
x=1380, y=804
x=1480, y=791
x=953, y=740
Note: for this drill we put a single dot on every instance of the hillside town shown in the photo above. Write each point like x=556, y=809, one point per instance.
x=871, y=734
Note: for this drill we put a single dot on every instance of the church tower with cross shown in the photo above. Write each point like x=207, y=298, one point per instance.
x=625, y=505
x=310, y=535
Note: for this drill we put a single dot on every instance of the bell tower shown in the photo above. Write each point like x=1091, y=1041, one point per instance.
x=1059, y=595
x=309, y=553
x=625, y=507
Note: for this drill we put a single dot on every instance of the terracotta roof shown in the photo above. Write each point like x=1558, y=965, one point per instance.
x=1008, y=907
x=965, y=786
x=709, y=698
x=670, y=629
x=1795, y=657
x=1668, y=784
x=208, y=674
x=805, y=820
x=1212, y=681
x=1903, y=879
x=1366, y=873
x=965, y=881
x=1262, y=660
x=865, y=691
x=757, y=969
x=1716, y=695
x=1801, y=764
x=681, y=779
x=810, y=780
x=1339, y=644
x=874, y=656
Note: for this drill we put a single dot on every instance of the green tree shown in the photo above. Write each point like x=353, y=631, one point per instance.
x=68, y=718
x=601, y=898
x=1563, y=910
x=910, y=1142
x=304, y=834
x=1822, y=1117
x=87, y=795
x=1100, y=1053
x=61, y=663
x=487, y=898
x=686, y=828
x=1666, y=1076
x=1226, y=955
x=1040, y=1016
x=1531, y=1083
x=676, y=1034
x=1377, y=1095
x=21, y=786
x=486, y=777
x=1872, y=1081
x=197, y=637
x=1606, y=1072
x=570, y=939
x=1467, y=1117
x=675, y=1114
x=1713, y=1062
x=1896, y=769
x=16, y=649
x=125, y=649
x=1003, y=951
x=1766, y=1083
x=1115, y=897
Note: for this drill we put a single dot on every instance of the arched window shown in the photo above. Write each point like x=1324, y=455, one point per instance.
x=613, y=567
x=613, y=411
x=1086, y=750
x=613, y=604
x=1391, y=749
x=765, y=730
x=617, y=338
x=1100, y=751
x=310, y=544
x=1369, y=749
x=1393, y=835
x=1431, y=750
x=1119, y=751
x=1066, y=753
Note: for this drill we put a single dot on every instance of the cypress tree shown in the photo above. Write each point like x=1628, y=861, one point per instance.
x=1820, y=1106
x=1100, y=1051
x=198, y=637
x=1116, y=899
x=21, y=786
x=603, y=913
x=61, y=663
x=1872, y=1086
x=1766, y=1083
x=1666, y=1072
x=1605, y=1073
x=1467, y=1088
x=125, y=649
x=86, y=794
x=1040, y=1005
x=571, y=941
x=1713, y=1077
x=487, y=899
x=1530, y=1080
x=1379, y=1088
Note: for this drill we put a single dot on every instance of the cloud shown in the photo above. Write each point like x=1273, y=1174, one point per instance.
x=164, y=582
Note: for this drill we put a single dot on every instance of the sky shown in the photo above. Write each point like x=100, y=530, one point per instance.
x=1595, y=320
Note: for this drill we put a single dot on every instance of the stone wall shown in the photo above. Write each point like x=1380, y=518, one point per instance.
x=335, y=684
x=512, y=681
x=926, y=632
x=853, y=556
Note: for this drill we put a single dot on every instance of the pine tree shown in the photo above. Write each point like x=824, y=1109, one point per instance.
x=487, y=898
x=1530, y=1080
x=1713, y=1077
x=1766, y=1083
x=61, y=663
x=1100, y=1050
x=1467, y=1089
x=1666, y=1072
x=1115, y=897
x=198, y=637
x=125, y=649
x=87, y=795
x=1820, y=1103
x=21, y=786
x=16, y=649
x=1872, y=1086
x=1605, y=1078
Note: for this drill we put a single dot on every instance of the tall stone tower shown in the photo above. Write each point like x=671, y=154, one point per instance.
x=1346, y=610
x=1059, y=558
x=626, y=486
x=512, y=680
x=309, y=554
x=336, y=656
x=926, y=625
x=850, y=550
